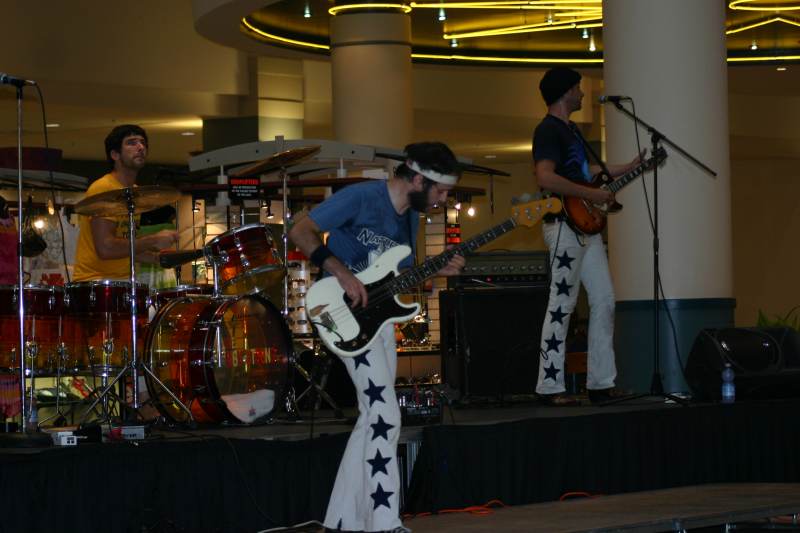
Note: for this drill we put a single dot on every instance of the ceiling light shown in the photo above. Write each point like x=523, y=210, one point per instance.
x=585, y=34
x=471, y=211
x=454, y=43
x=754, y=45
x=38, y=223
x=442, y=15
x=457, y=206
x=53, y=125
x=51, y=209
x=187, y=133
x=781, y=69
x=428, y=220
x=490, y=156
x=307, y=12
x=741, y=4
x=373, y=5
x=592, y=47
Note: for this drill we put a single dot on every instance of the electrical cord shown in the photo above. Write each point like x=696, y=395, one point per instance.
x=53, y=185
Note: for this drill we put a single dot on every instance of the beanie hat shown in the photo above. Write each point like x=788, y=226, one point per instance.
x=556, y=82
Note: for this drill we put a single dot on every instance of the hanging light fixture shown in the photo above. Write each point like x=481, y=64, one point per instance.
x=754, y=45
x=592, y=47
x=585, y=34
x=307, y=12
x=471, y=211
x=454, y=43
x=442, y=15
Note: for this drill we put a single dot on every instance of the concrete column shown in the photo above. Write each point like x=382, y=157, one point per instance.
x=371, y=78
x=670, y=57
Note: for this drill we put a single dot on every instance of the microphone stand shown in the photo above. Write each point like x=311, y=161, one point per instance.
x=656, y=138
x=25, y=407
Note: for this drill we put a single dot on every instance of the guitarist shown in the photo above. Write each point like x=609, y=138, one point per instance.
x=363, y=221
x=562, y=167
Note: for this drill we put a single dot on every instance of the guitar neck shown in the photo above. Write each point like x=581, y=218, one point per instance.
x=430, y=267
x=622, y=181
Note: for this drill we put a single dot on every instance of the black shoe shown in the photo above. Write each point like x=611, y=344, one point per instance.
x=558, y=399
x=601, y=396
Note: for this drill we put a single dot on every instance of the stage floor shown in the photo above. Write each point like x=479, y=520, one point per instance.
x=323, y=423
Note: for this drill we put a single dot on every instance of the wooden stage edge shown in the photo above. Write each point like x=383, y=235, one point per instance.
x=674, y=509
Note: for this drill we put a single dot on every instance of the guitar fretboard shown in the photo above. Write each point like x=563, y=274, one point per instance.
x=430, y=267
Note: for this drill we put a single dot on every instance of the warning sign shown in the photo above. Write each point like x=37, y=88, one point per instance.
x=243, y=188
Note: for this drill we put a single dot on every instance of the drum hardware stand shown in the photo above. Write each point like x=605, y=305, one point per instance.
x=319, y=388
x=59, y=416
x=135, y=364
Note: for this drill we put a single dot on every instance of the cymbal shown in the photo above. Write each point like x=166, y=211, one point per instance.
x=115, y=203
x=275, y=161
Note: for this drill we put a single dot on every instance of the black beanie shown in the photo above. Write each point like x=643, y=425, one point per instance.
x=556, y=82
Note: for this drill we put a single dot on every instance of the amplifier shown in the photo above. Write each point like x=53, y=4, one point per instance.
x=502, y=269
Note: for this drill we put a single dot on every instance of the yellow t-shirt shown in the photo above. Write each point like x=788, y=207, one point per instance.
x=88, y=266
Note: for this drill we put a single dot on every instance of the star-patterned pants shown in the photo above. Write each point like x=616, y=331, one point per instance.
x=366, y=494
x=574, y=262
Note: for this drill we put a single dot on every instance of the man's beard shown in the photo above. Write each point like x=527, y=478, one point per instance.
x=419, y=200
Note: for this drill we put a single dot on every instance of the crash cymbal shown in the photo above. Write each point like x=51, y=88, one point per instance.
x=275, y=161
x=115, y=203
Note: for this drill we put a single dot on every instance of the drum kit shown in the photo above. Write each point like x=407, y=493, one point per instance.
x=219, y=354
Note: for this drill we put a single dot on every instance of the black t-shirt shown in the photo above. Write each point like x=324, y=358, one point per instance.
x=558, y=142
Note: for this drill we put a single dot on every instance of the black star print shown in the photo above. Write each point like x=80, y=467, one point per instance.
x=361, y=359
x=381, y=497
x=551, y=372
x=553, y=343
x=339, y=525
x=380, y=429
x=557, y=316
x=563, y=287
x=379, y=463
x=565, y=260
x=375, y=393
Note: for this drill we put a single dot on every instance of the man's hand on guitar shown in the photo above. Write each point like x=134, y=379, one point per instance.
x=453, y=267
x=599, y=196
x=353, y=288
x=636, y=161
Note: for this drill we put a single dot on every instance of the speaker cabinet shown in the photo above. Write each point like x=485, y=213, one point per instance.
x=766, y=362
x=490, y=339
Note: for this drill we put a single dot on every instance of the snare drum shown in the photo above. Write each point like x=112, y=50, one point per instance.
x=247, y=258
x=226, y=359
x=97, y=324
x=43, y=309
x=160, y=297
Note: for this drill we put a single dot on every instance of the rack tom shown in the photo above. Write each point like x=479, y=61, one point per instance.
x=247, y=259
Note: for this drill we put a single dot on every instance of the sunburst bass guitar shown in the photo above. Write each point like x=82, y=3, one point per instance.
x=349, y=332
x=589, y=218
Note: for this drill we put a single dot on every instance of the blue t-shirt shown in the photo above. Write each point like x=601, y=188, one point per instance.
x=363, y=224
x=558, y=142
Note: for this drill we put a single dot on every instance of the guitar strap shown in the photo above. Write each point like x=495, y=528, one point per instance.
x=589, y=148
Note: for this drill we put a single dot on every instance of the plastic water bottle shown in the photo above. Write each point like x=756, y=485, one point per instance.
x=728, y=387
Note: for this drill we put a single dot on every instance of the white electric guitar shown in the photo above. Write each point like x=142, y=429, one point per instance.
x=350, y=332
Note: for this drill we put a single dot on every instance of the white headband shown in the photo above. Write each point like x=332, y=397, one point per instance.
x=445, y=179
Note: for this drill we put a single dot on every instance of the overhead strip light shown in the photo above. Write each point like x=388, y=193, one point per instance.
x=281, y=39
x=761, y=23
x=759, y=5
x=352, y=7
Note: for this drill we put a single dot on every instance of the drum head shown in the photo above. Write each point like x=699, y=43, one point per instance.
x=226, y=359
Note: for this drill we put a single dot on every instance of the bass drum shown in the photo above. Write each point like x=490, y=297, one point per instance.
x=226, y=359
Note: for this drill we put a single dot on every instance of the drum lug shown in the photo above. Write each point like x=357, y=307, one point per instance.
x=126, y=299
x=223, y=256
x=243, y=258
x=92, y=297
x=66, y=299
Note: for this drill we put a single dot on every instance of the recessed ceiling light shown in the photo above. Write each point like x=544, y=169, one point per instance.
x=187, y=133
x=490, y=156
x=780, y=69
x=53, y=125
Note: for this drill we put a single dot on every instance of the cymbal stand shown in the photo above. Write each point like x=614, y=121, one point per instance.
x=135, y=363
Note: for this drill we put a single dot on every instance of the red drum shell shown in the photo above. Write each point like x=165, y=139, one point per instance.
x=247, y=258
x=44, y=306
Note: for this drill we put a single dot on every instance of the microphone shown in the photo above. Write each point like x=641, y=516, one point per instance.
x=6, y=79
x=614, y=99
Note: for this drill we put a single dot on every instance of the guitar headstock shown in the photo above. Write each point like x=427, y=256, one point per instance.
x=530, y=213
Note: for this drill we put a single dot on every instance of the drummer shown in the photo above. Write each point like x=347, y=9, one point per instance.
x=103, y=250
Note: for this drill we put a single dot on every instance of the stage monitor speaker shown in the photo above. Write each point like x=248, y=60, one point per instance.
x=766, y=362
x=490, y=339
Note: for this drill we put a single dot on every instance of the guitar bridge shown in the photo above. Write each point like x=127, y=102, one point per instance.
x=327, y=322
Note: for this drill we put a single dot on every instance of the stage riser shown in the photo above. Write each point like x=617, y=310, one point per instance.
x=541, y=459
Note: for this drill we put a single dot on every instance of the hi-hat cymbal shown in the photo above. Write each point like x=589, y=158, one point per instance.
x=115, y=203
x=275, y=161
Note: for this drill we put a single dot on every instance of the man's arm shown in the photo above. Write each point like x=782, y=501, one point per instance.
x=109, y=246
x=549, y=180
x=305, y=235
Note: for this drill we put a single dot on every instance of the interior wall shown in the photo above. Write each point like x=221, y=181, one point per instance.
x=766, y=219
